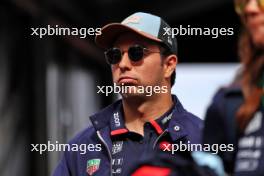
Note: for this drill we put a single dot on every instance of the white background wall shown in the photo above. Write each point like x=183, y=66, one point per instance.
x=196, y=84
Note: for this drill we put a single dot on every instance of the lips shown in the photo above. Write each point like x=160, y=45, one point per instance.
x=127, y=80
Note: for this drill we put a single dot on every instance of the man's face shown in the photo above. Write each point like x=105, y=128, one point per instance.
x=254, y=21
x=149, y=71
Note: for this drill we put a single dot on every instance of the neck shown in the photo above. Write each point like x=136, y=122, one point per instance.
x=139, y=110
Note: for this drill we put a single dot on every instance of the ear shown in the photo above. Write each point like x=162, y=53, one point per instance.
x=169, y=65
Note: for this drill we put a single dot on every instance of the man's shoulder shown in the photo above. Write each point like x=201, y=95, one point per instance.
x=193, y=125
x=193, y=119
x=84, y=136
x=225, y=92
x=185, y=117
x=98, y=120
x=190, y=124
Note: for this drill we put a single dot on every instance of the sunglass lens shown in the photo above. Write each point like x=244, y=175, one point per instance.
x=136, y=53
x=113, y=55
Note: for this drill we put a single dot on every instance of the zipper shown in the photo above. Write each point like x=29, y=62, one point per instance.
x=108, y=150
x=158, y=138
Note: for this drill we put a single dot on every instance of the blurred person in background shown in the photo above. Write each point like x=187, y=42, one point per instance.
x=132, y=129
x=235, y=115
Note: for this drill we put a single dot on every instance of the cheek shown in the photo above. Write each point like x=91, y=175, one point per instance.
x=151, y=73
x=114, y=73
x=257, y=34
x=258, y=37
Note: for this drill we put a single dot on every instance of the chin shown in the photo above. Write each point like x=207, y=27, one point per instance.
x=130, y=95
x=135, y=95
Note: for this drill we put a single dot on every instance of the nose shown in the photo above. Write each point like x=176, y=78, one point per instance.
x=252, y=7
x=125, y=63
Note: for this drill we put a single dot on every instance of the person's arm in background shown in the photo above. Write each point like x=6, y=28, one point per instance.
x=213, y=124
x=215, y=128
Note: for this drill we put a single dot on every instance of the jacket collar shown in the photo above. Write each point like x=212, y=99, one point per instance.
x=176, y=125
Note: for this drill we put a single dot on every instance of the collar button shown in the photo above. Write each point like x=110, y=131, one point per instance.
x=177, y=128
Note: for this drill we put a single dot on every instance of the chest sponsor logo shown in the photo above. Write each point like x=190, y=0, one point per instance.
x=117, y=171
x=117, y=165
x=92, y=166
x=117, y=162
x=250, y=146
x=117, y=147
x=255, y=123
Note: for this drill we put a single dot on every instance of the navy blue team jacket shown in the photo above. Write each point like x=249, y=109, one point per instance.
x=97, y=161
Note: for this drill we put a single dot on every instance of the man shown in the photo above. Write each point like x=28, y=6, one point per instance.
x=141, y=55
x=239, y=108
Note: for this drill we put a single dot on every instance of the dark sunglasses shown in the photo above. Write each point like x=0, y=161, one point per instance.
x=241, y=4
x=135, y=54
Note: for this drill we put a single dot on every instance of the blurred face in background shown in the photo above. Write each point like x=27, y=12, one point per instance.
x=252, y=14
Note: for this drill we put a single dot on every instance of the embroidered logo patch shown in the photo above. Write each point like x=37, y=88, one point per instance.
x=117, y=147
x=92, y=166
